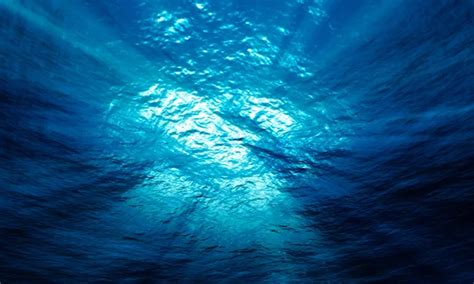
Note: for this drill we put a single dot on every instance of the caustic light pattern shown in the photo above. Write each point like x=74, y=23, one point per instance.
x=236, y=141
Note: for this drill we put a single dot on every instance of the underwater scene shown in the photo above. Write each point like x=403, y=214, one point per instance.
x=239, y=141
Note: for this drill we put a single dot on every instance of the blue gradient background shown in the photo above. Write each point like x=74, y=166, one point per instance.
x=236, y=141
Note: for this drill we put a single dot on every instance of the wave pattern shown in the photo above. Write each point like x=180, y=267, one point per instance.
x=266, y=141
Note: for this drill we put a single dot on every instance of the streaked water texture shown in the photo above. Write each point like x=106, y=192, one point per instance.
x=236, y=141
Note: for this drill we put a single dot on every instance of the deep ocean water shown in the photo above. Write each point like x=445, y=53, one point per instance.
x=236, y=141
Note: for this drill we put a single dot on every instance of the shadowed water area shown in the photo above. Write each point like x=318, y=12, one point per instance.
x=236, y=141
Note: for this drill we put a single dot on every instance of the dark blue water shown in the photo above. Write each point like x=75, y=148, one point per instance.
x=236, y=141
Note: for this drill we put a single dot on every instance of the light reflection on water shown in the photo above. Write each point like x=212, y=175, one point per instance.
x=220, y=119
x=250, y=198
x=213, y=121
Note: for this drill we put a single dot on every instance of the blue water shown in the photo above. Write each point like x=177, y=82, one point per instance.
x=236, y=141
